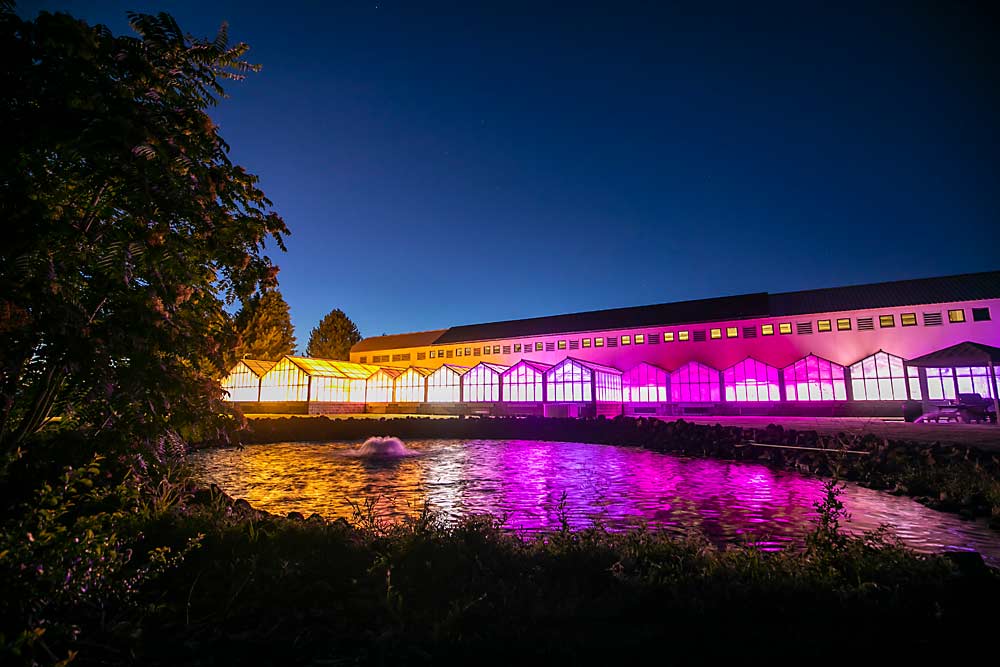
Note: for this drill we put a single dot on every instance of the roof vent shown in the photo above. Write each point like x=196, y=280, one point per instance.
x=932, y=319
x=749, y=332
x=866, y=324
x=698, y=336
x=804, y=328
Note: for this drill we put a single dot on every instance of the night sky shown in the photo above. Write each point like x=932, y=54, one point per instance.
x=444, y=164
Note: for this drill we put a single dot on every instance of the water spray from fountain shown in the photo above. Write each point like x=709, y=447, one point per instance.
x=383, y=447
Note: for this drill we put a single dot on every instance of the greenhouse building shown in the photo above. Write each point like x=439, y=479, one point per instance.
x=883, y=349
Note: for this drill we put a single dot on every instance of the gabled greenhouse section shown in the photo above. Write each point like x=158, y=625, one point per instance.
x=481, y=384
x=411, y=385
x=242, y=385
x=583, y=387
x=445, y=384
x=382, y=385
x=645, y=383
x=524, y=382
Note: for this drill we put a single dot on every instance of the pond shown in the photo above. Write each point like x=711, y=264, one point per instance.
x=535, y=484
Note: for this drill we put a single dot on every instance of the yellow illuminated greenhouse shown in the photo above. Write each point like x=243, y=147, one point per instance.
x=243, y=382
x=324, y=385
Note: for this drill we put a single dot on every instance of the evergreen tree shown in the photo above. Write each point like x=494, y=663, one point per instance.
x=334, y=337
x=265, y=329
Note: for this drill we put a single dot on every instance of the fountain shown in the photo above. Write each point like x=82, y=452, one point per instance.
x=382, y=447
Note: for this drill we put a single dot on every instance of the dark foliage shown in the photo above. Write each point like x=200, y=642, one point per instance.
x=126, y=228
x=333, y=337
x=264, y=326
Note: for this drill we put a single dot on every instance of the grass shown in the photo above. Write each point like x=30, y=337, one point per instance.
x=115, y=573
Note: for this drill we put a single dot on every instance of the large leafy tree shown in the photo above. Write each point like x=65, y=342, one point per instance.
x=126, y=226
x=333, y=337
x=265, y=327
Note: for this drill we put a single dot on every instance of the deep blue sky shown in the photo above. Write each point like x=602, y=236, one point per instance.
x=449, y=164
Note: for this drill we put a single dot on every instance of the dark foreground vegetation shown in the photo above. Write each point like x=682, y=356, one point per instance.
x=107, y=572
x=128, y=234
x=949, y=478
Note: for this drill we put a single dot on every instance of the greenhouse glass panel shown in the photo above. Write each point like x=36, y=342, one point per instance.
x=645, y=383
x=445, y=384
x=751, y=381
x=974, y=380
x=569, y=381
x=694, y=383
x=482, y=383
x=411, y=385
x=380, y=386
x=880, y=377
x=285, y=382
x=941, y=384
x=243, y=382
x=815, y=379
x=524, y=382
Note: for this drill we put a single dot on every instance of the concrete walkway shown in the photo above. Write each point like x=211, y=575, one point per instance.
x=983, y=436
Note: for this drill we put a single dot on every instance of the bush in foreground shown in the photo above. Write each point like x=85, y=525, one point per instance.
x=269, y=590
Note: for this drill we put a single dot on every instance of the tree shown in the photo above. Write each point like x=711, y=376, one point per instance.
x=126, y=227
x=334, y=337
x=265, y=329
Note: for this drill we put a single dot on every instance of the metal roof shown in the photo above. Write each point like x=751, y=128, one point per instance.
x=702, y=310
x=333, y=368
x=398, y=341
x=966, y=287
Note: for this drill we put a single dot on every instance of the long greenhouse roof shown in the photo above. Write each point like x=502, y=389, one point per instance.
x=965, y=287
x=334, y=368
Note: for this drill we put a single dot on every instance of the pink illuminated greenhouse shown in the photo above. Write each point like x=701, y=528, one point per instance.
x=576, y=380
x=481, y=384
x=694, y=382
x=882, y=377
x=813, y=378
x=645, y=383
x=751, y=381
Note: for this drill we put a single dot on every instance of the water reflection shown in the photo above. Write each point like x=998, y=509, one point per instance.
x=533, y=483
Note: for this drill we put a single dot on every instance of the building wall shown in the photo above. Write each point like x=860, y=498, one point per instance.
x=778, y=350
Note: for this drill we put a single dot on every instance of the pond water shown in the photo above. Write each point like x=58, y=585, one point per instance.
x=534, y=483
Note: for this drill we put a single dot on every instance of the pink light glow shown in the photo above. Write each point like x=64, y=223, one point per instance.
x=645, y=383
x=524, y=382
x=751, y=381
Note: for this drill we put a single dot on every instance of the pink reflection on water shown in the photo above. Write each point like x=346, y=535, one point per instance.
x=534, y=483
